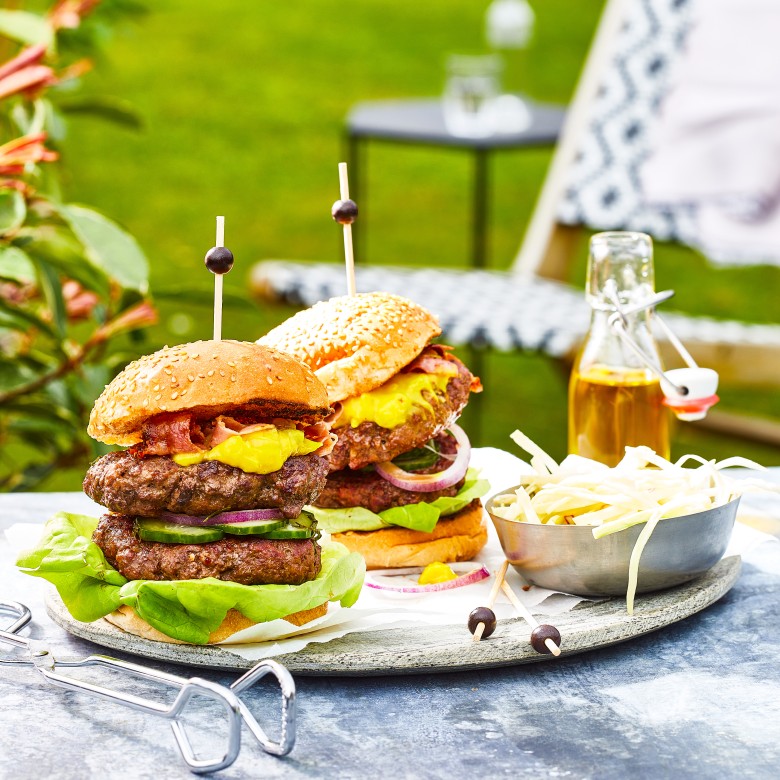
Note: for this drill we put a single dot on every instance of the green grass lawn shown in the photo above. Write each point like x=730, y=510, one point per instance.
x=244, y=105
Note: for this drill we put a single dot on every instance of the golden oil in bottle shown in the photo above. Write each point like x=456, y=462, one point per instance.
x=611, y=408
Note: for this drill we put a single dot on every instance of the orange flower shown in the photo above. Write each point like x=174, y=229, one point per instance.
x=16, y=154
x=79, y=302
x=138, y=316
x=25, y=73
x=68, y=13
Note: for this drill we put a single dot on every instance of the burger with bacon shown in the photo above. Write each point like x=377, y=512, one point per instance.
x=399, y=488
x=206, y=533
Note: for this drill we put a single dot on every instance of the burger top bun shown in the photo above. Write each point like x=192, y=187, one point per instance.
x=210, y=375
x=356, y=343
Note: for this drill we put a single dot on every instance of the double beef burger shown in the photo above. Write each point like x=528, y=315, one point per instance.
x=227, y=443
x=398, y=489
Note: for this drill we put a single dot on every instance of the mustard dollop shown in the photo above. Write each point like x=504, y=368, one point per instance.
x=259, y=452
x=394, y=402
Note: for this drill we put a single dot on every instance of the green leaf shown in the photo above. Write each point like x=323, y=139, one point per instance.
x=13, y=210
x=422, y=516
x=25, y=27
x=67, y=557
x=109, y=247
x=52, y=290
x=107, y=107
x=16, y=265
x=13, y=374
x=64, y=252
x=183, y=609
x=21, y=319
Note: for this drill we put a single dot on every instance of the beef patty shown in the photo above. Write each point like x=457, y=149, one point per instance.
x=370, y=443
x=129, y=485
x=247, y=560
x=347, y=488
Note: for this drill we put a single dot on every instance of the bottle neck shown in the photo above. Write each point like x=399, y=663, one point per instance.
x=603, y=346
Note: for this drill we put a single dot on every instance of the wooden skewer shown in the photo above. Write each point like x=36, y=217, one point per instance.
x=218, y=283
x=349, y=255
x=492, y=598
x=527, y=616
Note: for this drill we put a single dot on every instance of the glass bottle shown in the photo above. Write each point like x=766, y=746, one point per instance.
x=615, y=400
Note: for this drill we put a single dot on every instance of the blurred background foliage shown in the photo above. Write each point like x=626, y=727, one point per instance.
x=238, y=109
x=72, y=282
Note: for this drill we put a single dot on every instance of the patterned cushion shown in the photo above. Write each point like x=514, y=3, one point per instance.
x=603, y=190
x=489, y=308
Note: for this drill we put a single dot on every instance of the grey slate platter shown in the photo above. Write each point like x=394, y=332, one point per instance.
x=438, y=648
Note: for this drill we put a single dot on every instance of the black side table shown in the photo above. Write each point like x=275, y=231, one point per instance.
x=421, y=121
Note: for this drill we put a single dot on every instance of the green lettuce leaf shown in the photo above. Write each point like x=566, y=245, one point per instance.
x=417, y=517
x=188, y=610
x=67, y=557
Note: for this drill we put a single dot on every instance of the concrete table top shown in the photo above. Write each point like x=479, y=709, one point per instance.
x=700, y=698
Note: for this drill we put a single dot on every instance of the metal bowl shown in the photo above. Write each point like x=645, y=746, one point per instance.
x=567, y=558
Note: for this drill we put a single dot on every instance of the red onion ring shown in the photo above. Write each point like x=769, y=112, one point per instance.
x=427, y=483
x=475, y=575
x=223, y=517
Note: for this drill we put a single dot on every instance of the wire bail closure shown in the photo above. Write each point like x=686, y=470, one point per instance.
x=236, y=711
x=688, y=392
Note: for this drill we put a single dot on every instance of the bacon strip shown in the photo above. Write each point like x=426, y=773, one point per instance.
x=224, y=428
x=432, y=360
x=167, y=433
x=321, y=432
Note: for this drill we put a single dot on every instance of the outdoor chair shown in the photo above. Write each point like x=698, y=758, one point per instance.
x=591, y=183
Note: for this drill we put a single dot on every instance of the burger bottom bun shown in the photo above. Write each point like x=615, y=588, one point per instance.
x=459, y=537
x=126, y=619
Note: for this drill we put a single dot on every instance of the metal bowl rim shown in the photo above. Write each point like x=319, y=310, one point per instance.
x=586, y=528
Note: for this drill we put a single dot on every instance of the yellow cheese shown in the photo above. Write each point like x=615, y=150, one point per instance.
x=260, y=452
x=394, y=402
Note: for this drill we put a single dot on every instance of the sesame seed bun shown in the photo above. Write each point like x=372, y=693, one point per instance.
x=356, y=343
x=127, y=619
x=458, y=537
x=213, y=376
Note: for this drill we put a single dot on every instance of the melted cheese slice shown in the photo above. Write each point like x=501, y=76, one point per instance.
x=259, y=452
x=394, y=402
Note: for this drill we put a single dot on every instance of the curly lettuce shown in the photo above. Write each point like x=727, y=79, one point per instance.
x=417, y=517
x=189, y=610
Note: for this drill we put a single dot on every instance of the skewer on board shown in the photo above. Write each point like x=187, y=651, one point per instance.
x=482, y=620
x=544, y=638
x=219, y=260
x=345, y=212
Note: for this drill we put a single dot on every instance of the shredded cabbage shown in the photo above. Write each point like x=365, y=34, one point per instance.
x=642, y=488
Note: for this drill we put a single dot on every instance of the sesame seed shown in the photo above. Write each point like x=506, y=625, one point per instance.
x=174, y=396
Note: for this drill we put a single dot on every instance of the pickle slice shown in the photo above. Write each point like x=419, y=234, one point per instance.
x=303, y=527
x=290, y=531
x=251, y=527
x=152, y=530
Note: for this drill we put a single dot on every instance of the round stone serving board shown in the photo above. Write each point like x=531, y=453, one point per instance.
x=418, y=649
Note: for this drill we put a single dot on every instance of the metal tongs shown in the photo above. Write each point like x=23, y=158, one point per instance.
x=236, y=711
x=680, y=384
